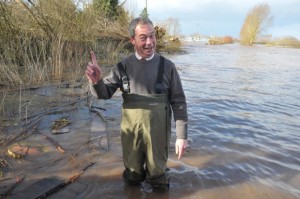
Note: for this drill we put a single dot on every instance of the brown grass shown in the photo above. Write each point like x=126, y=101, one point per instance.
x=220, y=40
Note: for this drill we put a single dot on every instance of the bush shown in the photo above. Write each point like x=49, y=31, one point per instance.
x=172, y=46
x=287, y=42
x=220, y=40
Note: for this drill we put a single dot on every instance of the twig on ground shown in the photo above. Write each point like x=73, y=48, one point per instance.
x=8, y=192
x=65, y=183
x=56, y=109
x=52, y=141
x=32, y=125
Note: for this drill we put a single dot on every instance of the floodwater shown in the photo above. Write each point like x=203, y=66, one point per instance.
x=244, y=113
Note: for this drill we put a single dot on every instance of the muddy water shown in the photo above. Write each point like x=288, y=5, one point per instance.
x=244, y=113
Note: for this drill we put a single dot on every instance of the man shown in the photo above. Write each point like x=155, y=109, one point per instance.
x=151, y=86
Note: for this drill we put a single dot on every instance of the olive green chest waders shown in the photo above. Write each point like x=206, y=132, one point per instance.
x=145, y=135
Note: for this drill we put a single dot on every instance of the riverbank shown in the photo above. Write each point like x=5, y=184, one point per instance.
x=38, y=155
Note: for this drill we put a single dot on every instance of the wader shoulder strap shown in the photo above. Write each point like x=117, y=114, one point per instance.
x=125, y=80
x=158, y=85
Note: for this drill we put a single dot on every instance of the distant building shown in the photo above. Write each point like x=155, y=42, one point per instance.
x=264, y=39
x=197, y=39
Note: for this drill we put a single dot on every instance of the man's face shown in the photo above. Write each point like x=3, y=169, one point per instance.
x=144, y=40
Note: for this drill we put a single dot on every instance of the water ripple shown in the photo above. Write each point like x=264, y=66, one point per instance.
x=244, y=109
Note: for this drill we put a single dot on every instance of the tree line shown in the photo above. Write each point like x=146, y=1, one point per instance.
x=41, y=40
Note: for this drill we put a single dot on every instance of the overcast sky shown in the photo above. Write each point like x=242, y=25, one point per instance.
x=220, y=17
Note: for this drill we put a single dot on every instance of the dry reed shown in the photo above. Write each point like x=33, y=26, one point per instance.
x=40, y=42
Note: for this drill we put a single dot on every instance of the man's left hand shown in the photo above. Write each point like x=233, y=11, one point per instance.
x=180, y=146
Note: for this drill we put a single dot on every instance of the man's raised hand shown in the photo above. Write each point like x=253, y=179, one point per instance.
x=93, y=71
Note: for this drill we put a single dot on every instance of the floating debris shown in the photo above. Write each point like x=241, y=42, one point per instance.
x=60, y=131
x=60, y=126
x=20, y=151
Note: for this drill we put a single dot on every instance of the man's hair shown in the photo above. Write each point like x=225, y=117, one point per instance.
x=136, y=21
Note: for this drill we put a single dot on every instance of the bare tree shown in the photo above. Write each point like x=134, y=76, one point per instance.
x=172, y=26
x=258, y=20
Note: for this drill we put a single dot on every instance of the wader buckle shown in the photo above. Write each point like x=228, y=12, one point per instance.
x=125, y=84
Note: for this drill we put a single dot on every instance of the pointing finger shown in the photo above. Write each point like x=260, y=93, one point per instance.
x=180, y=152
x=94, y=60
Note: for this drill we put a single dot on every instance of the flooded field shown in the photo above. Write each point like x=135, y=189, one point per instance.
x=244, y=113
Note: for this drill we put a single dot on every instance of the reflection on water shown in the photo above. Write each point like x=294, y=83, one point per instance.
x=244, y=111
